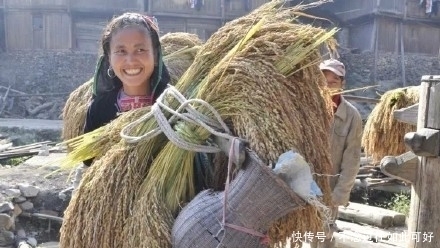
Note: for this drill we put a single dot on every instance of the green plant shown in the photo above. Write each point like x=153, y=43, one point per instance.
x=400, y=203
x=15, y=161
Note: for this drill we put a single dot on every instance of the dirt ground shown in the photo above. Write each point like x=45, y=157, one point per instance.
x=40, y=171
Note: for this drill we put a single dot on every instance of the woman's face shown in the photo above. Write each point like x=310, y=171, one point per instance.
x=132, y=59
x=333, y=81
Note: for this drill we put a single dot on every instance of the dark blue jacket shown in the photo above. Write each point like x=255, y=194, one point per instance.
x=104, y=108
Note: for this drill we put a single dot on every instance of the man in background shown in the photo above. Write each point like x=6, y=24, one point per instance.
x=345, y=138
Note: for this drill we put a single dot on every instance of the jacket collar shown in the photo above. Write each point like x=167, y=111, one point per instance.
x=341, y=112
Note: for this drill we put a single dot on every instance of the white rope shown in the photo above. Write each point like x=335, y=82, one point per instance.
x=185, y=112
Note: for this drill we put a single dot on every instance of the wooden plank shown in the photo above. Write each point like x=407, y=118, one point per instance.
x=390, y=6
x=37, y=3
x=113, y=6
x=32, y=145
x=386, y=42
x=19, y=3
x=348, y=10
x=361, y=99
x=38, y=25
x=366, y=217
x=371, y=233
x=57, y=33
x=402, y=167
x=407, y=115
x=352, y=240
x=187, y=15
x=392, y=188
x=425, y=196
x=43, y=216
x=399, y=219
x=18, y=155
x=425, y=142
x=18, y=30
x=405, y=9
x=416, y=29
x=209, y=8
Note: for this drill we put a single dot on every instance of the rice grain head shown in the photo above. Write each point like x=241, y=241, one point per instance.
x=274, y=120
x=383, y=135
x=186, y=45
x=75, y=111
x=97, y=213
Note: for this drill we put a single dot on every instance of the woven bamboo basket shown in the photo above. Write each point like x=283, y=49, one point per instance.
x=256, y=198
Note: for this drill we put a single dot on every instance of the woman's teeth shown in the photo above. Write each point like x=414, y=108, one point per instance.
x=132, y=71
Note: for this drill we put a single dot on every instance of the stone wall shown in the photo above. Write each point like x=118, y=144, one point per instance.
x=46, y=72
x=33, y=197
x=360, y=73
x=360, y=69
x=39, y=72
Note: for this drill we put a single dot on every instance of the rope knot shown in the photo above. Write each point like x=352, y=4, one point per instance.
x=177, y=128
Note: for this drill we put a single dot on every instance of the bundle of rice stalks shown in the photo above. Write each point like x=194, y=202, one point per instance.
x=383, y=135
x=265, y=105
x=98, y=143
x=97, y=212
x=264, y=83
x=179, y=49
x=75, y=111
x=179, y=52
x=173, y=42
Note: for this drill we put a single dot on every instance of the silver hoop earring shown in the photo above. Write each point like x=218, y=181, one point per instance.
x=111, y=73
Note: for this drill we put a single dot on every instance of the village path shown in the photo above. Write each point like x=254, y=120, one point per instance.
x=31, y=123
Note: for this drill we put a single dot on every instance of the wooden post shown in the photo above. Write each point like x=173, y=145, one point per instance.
x=424, y=221
x=150, y=7
x=141, y=6
x=376, y=48
x=402, y=54
x=223, y=12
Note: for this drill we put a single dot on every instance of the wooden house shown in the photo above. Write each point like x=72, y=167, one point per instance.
x=201, y=17
x=78, y=24
x=398, y=26
x=89, y=18
x=36, y=24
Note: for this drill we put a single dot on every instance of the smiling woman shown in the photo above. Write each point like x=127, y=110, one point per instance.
x=132, y=60
x=130, y=73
